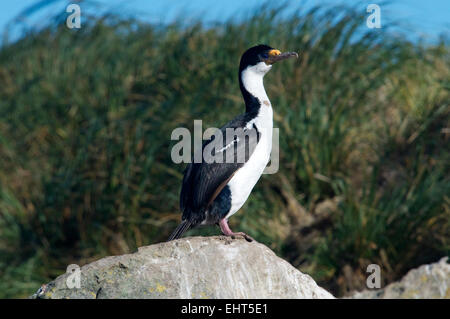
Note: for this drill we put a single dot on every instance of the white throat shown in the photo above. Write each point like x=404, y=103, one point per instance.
x=252, y=79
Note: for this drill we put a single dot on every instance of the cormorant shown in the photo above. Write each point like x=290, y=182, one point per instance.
x=212, y=191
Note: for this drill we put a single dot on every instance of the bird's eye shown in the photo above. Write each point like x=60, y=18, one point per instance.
x=264, y=55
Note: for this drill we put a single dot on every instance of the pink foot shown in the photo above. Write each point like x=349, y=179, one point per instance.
x=228, y=232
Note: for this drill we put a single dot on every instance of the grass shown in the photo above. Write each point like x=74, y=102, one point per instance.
x=86, y=117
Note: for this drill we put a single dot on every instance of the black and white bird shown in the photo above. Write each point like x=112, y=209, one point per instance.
x=212, y=191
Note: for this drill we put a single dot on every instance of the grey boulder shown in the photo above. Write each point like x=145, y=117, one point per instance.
x=193, y=267
x=426, y=282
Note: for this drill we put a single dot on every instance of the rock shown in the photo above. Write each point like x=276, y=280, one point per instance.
x=193, y=267
x=426, y=282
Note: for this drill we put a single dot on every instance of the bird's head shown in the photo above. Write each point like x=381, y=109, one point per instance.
x=260, y=58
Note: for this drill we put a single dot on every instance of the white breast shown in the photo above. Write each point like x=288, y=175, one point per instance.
x=243, y=181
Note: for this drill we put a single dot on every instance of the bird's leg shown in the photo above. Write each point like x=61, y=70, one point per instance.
x=228, y=232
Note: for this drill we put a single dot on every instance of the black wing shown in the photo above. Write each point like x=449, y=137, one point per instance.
x=202, y=182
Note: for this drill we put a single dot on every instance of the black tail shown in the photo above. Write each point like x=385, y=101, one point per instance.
x=179, y=231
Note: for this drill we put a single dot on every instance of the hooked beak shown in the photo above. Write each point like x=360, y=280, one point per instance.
x=276, y=55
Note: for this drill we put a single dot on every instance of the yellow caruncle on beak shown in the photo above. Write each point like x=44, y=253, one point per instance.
x=274, y=52
x=276, y=55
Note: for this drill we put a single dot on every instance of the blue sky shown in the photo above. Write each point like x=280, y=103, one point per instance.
x=421, y=17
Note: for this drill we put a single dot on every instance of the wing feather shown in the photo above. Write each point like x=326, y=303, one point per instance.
x=202, y=182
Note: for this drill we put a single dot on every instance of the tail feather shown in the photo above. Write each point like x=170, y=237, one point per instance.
x=180, y=230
